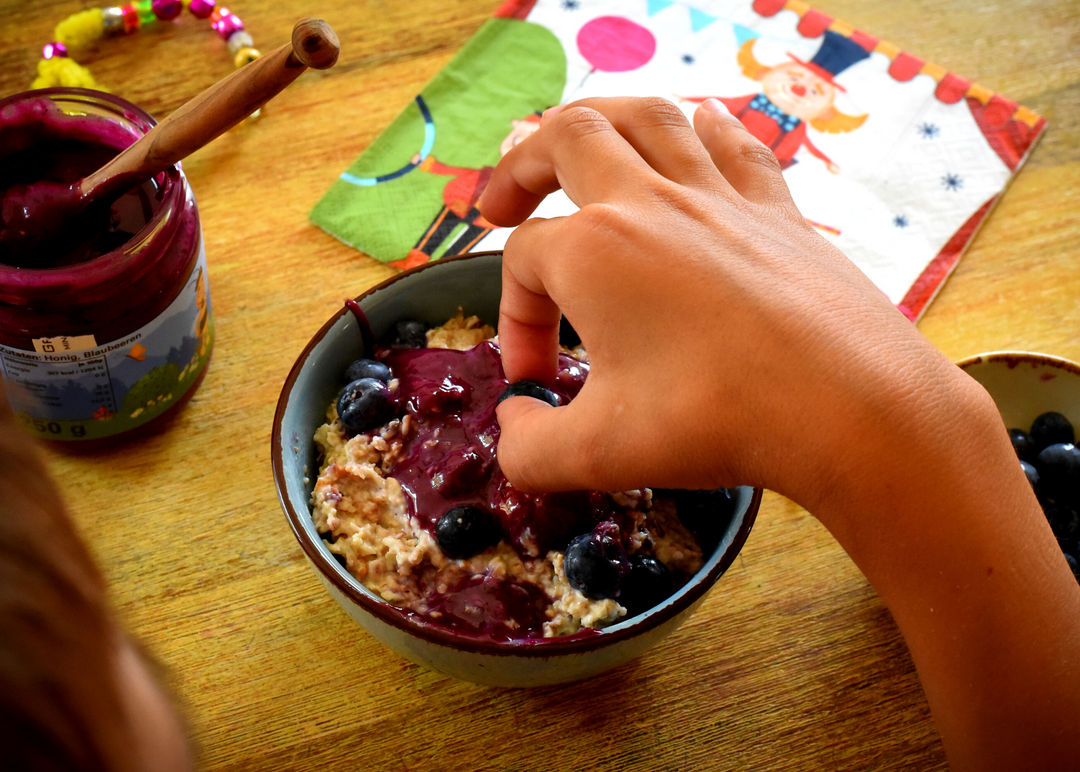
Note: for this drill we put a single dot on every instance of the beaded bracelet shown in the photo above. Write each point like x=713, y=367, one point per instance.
x=83, y=28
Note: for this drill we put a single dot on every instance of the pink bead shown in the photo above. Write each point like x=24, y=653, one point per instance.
x=54, y=49
x=227, y=24
x=202, y=8
x=166, y=9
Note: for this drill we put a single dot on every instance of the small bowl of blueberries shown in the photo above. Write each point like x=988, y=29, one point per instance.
x=1038, y=396
x=384, y=454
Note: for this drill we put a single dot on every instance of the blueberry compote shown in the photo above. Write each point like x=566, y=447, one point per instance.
x=97, y=231
x=449, y=463
x=431, y=415
x=455, y=490
x=106, y=324
x=449, y=459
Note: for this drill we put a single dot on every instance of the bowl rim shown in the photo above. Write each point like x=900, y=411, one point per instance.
x=1011, y=357
x=411, y=623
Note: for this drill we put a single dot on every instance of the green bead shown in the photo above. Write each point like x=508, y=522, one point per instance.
x=146, y=11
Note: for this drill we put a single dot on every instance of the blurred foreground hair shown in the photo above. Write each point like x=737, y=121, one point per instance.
x=60, y=708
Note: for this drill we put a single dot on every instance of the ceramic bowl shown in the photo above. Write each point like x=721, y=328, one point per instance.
x=433, y=293
x=1024, y=385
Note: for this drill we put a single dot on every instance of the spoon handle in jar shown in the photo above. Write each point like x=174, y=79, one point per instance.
x=216, y=110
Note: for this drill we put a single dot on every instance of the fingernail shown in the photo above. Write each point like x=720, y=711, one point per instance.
x=551, y=112
x=715, y=106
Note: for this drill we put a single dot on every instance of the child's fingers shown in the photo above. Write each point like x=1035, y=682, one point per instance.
x=538, y=447
x=528, y=317
x=749, y=166
x=579, y=151
x=661, y=135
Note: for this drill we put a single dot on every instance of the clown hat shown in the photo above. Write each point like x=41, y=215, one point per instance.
x=835, y=55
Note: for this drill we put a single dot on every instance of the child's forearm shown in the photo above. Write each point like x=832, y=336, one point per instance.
x=943, y=522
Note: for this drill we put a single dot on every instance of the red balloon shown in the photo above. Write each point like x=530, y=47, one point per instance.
x=615, y=44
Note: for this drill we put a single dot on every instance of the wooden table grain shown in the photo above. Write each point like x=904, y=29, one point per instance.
x=792, y=663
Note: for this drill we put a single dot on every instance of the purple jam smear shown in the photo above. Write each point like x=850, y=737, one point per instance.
x=486, y=607
x=40, y=185
x=450, y=458
x=45, y=153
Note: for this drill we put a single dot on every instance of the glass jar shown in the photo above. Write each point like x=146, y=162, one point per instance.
x=98, y=342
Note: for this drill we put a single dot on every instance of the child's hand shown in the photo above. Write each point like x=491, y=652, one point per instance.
x=727, y=338
x=729, y=344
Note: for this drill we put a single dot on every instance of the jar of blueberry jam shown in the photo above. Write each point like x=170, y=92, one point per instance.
x=106, y=329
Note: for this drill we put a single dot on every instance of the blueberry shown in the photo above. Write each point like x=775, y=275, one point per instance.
x=1032, y=475
x=368, y=368
x=407, y=334
x=466, y=531
x=1064, y=522
x=595, y=565
x=529, y=389
x=647, y=584
x=706, y=514
x=1059, y=472
x=365, y=404
x=1050, y=429
x=1023, y=445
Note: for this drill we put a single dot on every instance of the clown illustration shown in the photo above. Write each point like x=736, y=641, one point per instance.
x=795, y=94
x=459, y=201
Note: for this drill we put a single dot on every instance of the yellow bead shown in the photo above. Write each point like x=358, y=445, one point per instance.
x=80, y=29
x=245, y=55
x=62, y=71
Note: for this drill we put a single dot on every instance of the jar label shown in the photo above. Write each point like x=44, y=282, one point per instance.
x=71, y=388
x=62, y=344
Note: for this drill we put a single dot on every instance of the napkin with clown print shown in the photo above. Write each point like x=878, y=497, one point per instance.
x=891, y=158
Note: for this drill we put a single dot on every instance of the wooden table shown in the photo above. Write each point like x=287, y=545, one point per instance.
x=792, y=663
